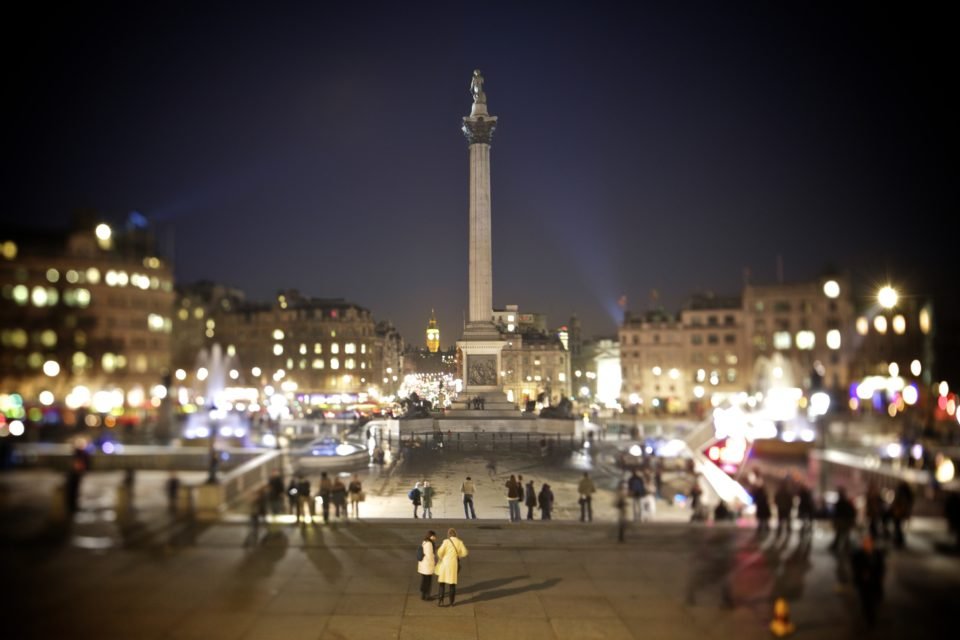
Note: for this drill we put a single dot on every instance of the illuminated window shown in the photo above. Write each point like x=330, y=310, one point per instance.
x=363, y=347
x=781, y=340
x=334, y=363
x=350, y=348
x=303, y=363
x=317, y=348
x=880, y=324
x=278, y=349
x=21, y=294
x=833, y=338
x=806, y=340
x=899, y=324
x=317, y=363
x=925, y=320
x=863, y=326
x=183, y=314
x=39, y=297
x=53, y=275
x=277, y=334
x=334, y=348
x=48, y=338
x=198, y=313
x=349, y=363
x=303, y=349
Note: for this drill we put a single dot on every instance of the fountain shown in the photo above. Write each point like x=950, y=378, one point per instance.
x=212, y=367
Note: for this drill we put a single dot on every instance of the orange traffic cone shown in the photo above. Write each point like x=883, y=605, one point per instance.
x=781, y=625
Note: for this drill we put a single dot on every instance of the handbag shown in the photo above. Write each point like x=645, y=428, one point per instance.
x=361, y=496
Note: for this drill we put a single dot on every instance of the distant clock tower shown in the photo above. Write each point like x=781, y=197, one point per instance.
x=433, y=334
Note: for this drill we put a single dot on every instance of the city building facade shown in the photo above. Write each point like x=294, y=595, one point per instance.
x=86, y=319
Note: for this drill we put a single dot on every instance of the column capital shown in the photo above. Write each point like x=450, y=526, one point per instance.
x=479, y=129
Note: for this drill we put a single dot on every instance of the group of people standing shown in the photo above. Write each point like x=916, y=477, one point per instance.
x=302, y=502
x=518, y=492
x=443, y=562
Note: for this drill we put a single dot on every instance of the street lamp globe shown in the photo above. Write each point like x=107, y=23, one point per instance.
x=888, y=297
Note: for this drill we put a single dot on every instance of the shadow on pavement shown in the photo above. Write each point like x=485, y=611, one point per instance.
x=506, y=593
x=489, y=584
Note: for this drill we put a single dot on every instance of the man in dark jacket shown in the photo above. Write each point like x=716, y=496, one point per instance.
x=868, y=567
x=545, y=500
x=530, y=499
x=638, y=490
x=783, y=498
x=900, y=510
x=805, y=508
x=844, y=517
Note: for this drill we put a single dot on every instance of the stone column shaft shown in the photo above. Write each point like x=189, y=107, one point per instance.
x=481, y=261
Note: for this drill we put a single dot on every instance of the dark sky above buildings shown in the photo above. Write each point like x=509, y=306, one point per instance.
x=317, y=145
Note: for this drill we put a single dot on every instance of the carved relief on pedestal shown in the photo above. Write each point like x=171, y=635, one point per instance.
x=481, y=370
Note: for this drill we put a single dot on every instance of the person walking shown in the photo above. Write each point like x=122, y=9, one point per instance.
x=173, y=492
x=415, y=497
x=648, y=503
x=448, y=565
x=326, y=488
x=305, y=508
x=637, y=489
x=623, y=495
x=545, y=501
x=805, y=509
x=258, y=515
x=467, y=489
x=868, y=567
x=762, y=503
x=696, y=500
x=355, y=489
x=275, y=493
x=900, y=510
x=586, y=489
x=875, y=511
x=427, y=499
x=514, y=493
x=783, y=498
x=844, y=517
x=427, y=563
x=530, y=499
x=292, y=491
x=338, y=494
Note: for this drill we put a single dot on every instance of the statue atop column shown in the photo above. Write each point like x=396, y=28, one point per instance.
x=476, y=88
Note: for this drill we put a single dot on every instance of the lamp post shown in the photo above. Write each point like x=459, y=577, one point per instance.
x=212, y=460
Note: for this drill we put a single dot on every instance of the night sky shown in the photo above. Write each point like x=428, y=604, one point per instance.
x=318, y=146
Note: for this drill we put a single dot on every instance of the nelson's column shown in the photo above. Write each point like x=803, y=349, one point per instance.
x=481, y=343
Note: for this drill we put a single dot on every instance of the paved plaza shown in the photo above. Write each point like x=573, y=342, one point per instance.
x=151, y=576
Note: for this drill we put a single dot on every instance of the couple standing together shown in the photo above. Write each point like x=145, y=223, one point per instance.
x=444, y=562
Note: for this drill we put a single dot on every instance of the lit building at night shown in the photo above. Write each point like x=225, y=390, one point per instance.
x=307, y=346
x=86, y=320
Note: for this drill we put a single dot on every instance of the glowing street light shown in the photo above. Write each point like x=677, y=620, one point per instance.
x=831, y=288
x=888, y=297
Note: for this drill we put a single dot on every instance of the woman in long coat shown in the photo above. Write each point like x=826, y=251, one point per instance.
x=448, y=565
x=428, y=564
